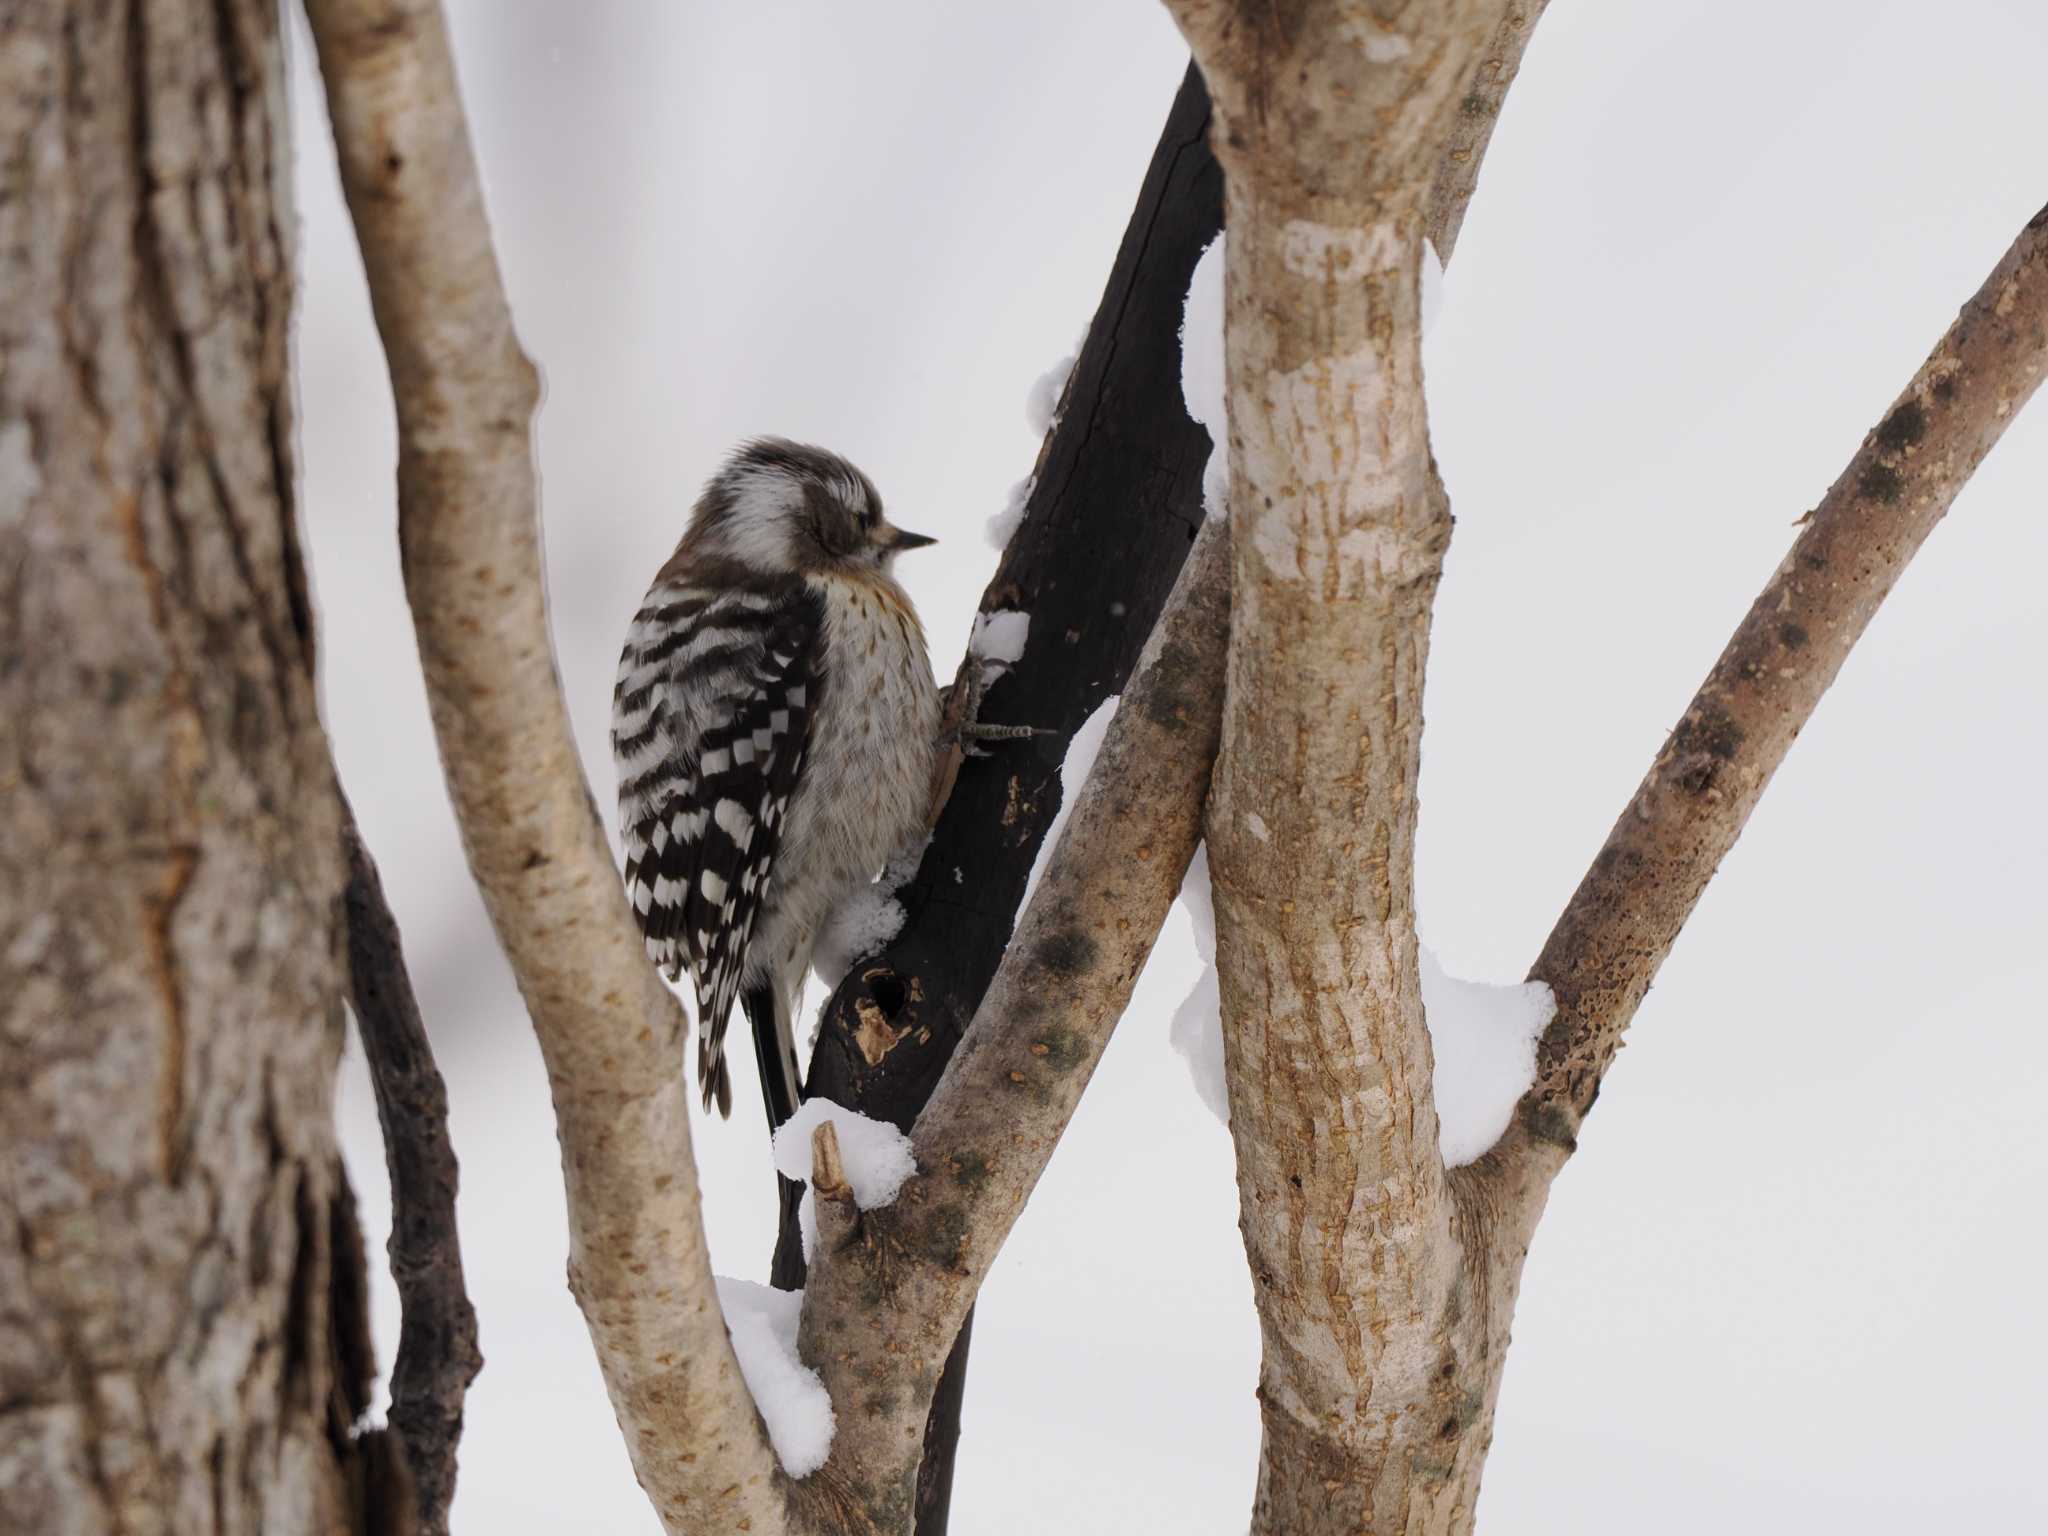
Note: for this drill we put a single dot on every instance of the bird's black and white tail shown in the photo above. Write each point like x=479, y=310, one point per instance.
x=774, y=1051
x=710, y=724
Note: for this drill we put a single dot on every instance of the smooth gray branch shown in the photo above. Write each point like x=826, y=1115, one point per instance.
x=610, y=1033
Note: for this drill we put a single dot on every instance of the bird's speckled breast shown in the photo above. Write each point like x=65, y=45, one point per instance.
x=866, y=784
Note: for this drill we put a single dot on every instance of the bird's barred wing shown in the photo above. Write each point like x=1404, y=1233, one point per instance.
x=710, y=726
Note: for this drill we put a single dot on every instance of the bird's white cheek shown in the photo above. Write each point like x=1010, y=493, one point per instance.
x=762, y=542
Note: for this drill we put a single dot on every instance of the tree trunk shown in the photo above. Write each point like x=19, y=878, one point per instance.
x=182, y=1339
x=1380, y=1358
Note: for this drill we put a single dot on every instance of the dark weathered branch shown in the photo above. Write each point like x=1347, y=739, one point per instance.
x=1115, y=499
x=1692, y=805
x=1114, y=506
x=1006, y=1097
x=437, y=1348
x=610, y=1032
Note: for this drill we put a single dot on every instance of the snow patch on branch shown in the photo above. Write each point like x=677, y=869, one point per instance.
x=1203, y=382
x=998, y=640
x=1002, y=527
x=1041, y=415
x=868, y=920
x=1202, y=385
x=792, y=1400
x=875, y=1156
x=1042, y=404
x=1482, y=1036
x=1197, y=1028
x=1075, y=767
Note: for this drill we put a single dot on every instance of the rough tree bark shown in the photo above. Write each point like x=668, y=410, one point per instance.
x=1464, y=149
x=1385, y=1284
x=182, y=1342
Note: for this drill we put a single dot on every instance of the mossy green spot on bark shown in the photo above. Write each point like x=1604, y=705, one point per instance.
x=970, y=1170
x=1880, y=483
x=1903, y=428
x=1070, y=952
x=1061, y=1049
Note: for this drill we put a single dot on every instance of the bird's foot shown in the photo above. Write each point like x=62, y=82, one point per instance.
x=963, y=727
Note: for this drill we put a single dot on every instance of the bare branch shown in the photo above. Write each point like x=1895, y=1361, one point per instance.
x=1107, y=479
x=437, y=1348
x=611, y=1034
x=1007, y=1095
x=1457, y=171
x=1692, y=805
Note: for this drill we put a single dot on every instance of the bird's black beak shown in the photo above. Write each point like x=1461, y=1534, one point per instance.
x=901, y=539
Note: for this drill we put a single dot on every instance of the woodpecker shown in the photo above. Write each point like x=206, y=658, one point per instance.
x=775, y=728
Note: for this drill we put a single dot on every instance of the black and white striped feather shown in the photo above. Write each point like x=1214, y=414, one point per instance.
x=711, y=722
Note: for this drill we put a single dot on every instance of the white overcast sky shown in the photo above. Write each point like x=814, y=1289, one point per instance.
x=1792, y=1282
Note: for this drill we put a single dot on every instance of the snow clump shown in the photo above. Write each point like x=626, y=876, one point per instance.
x=793, y=1401
x=875, y=1155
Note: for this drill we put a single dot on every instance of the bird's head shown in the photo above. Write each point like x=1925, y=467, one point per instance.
x=777, y=507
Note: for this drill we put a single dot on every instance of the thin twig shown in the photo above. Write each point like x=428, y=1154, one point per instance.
x=437, y=1347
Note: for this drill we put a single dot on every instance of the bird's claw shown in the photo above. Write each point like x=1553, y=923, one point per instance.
x=964, y=727
x=972, y=733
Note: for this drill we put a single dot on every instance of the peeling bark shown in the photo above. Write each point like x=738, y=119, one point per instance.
x=182, y=1345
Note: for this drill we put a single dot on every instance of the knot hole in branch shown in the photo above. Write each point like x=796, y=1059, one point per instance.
x=878, y=1031
x=888, y=991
